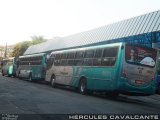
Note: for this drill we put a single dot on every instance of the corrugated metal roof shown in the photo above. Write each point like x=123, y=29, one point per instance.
x=134, y=26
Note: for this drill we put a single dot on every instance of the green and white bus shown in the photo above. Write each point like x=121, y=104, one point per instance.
x=111, y=68
x=32, y=67
x=9, y=66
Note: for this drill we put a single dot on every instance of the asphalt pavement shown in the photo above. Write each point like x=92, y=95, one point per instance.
x=24, y=97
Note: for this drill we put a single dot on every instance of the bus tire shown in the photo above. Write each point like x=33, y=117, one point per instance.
x=19, y=75
x=14, y=76
x=30, y=77
x=2, y=73
x=9, y=75
x=53, y=84
x=83, y=86
x=158, y=91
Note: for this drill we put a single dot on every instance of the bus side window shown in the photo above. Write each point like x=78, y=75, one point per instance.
x=78, y=62
x=63, y=62
x=88, y=60
x=64, y=56
x=58, y=56
x=109, y=56
x=71, y=62
x=110, y=52
x=57, y=59
x=105, y=62
x=97, y=57
x=89, y=54
x=57, y=62
x=50, y=60
x=79, y=58
x=70, y=58
x=71, y=55
x=79, y=54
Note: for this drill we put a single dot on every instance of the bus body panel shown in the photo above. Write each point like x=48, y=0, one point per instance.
x=32, y=65
x=24, y=71
x=99, y=79
x=103, y=78
x=139, y=78
x=137, y=82
x=121, y=76
x=9, y=66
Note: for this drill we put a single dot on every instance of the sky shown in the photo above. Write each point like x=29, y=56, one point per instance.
x=22, y=19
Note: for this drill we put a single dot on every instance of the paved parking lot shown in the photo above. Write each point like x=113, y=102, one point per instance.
x=24, y=97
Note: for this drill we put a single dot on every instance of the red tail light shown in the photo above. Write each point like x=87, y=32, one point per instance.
x=153, y=77
x=124, y=73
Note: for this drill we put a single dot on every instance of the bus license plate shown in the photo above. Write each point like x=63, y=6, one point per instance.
x=139, y=81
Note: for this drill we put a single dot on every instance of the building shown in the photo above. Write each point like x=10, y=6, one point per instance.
x=2, y=51
x=8, y=51
x=143, y=29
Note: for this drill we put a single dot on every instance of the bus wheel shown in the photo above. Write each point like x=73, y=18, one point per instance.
x=30, y=77
x=53, y=84
x=19, y=76
x=158, y=91
x=2, y=73
x=9, y=75
x=83, y=86
x=14, y=76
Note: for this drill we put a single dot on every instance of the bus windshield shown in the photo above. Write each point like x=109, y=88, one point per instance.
x=7, y=62
x=10, y=62
x=140, y=55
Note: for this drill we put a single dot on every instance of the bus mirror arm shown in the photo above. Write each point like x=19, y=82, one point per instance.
x=122, y=47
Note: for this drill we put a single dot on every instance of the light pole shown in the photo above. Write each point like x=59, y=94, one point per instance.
x=0, y=53
x=0, y=57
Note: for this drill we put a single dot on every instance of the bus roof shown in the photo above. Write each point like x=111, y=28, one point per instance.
x=10, y=58
x=91, y=47
x=106, y=34
x=40, y=54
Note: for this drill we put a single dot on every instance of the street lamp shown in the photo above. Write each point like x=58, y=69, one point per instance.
x=1, y=53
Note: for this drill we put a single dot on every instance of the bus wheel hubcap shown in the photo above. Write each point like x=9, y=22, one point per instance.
x=53, y=81
x=30, y=78
x=82, y=87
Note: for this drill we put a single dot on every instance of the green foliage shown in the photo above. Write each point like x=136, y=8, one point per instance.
x=37, y=40
x=21, y=47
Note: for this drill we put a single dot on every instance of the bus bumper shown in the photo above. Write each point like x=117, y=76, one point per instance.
x=126, y=88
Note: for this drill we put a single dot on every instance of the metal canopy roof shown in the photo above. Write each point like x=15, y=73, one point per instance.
x=134, y=26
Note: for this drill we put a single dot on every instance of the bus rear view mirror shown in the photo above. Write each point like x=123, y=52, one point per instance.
x=122, y=47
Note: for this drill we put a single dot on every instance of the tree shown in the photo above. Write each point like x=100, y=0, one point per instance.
x=37, y=40
x=21, y=47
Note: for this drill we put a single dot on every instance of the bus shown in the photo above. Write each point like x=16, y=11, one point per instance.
x=158, y=73
x=111, y=68
x=32, y=67
x=158, y=81
x=9, y=66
